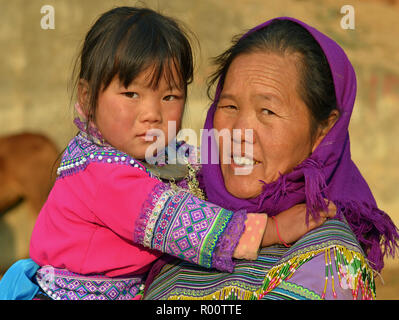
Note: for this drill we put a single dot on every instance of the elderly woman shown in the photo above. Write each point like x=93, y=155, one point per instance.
x=295, y=88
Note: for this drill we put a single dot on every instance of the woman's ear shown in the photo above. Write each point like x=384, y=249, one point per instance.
x=83, y=99
x=325, y=128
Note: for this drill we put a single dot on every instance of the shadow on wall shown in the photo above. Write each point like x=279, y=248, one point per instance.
x=27, y=173
x=7, y=245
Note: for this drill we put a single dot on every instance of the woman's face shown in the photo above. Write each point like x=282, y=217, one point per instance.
x=260, y=93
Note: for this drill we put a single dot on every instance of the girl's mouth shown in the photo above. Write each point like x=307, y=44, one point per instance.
x=150, y=135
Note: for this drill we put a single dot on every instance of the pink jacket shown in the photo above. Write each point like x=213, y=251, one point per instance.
x=87, y=223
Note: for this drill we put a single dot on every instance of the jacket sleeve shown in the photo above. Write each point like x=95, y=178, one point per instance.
x=150, y=213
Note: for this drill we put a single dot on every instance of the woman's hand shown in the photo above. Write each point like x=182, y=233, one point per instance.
x=292, y=224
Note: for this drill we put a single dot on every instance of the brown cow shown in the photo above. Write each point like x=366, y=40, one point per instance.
x=28, y=163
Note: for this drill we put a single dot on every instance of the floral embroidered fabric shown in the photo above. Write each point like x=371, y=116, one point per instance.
x=326, y=263
x=178, y=223
x=61, y=284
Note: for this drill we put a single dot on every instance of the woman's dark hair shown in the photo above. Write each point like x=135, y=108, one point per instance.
x=127, y=40
x=316, y=87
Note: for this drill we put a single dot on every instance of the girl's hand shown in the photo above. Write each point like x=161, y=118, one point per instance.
x=292, y=224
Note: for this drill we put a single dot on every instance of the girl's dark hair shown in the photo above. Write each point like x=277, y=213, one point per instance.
x=127, y=40
x=316, y=86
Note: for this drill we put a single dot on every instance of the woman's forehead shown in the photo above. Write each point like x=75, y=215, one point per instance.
x=267, y=60
x=264, y=74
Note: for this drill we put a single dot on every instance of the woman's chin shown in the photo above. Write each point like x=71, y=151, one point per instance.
x=243, y=191
x=242, y=186
x=245, y=183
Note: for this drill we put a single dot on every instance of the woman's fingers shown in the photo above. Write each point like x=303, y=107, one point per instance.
x=314, y=223
x=292, y=222
x=332, y=210
x=330, y=213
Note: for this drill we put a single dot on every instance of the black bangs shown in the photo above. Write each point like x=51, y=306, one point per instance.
x=124, y=42
x=144, y=43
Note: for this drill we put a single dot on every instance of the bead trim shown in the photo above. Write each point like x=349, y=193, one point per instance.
x=81, y=151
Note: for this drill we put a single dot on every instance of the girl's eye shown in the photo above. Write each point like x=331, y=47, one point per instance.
x=170, y=97
x=131, y=94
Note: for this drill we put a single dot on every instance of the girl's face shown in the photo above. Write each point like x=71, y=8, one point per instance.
x=125, y=115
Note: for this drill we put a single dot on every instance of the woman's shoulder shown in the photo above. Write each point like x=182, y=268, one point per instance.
x=333, y=232
x=329, y=252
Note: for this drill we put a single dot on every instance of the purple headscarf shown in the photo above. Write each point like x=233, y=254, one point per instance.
x=328, y=173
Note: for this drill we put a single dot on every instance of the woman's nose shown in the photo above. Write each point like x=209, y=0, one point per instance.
x=243, y=129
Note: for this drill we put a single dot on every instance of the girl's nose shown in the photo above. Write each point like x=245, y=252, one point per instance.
x=151, y=113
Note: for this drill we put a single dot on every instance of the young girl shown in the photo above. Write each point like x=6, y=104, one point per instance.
x=110, y=215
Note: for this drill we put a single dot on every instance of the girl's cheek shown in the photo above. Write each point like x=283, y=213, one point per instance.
x=176, y=115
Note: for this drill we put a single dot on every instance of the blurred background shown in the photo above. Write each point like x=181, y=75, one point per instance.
x=36, y=65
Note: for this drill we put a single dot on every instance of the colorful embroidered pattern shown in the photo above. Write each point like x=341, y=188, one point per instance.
x=287, y=290
x=144, y=225
x=153, y=218
x=182, y=280
x=353, y=275
x=266, y=278
x=61, y=284
x=177, y=223
x=81, y=151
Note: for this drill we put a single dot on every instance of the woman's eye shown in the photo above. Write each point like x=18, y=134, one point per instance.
x=228, y=107
x=267, y=112
x=131, y=94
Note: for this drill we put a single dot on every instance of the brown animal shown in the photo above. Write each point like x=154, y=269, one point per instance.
x=28, y=163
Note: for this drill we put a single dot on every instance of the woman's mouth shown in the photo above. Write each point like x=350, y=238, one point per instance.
x=244, y=161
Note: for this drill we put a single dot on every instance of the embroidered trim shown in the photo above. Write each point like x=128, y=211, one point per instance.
x=217, y=231
x=81, y=151
x=139, y=235
x=227, y=243
x=227, y=293
x=299, y=290
x=154, y=216
x=61, y=284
